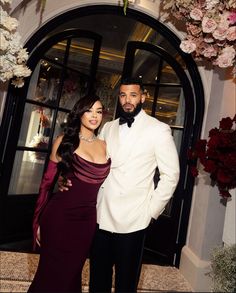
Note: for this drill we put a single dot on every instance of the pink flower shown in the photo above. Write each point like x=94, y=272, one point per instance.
x=211, y=28
x=209, y=39
x=220, y=33
x=188, y=46
x=220, y=43
x=230, y=51
x=231, y=33
x=196, y=14
x=232, y=18
x=208, y=25
x=224, y=19
x=209, y=52
x=226, y=58
x=193, y=29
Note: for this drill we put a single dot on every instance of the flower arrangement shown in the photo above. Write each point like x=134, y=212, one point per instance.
x=13, y=56
x=210, y=26
x=218, y=156
x=38, y=141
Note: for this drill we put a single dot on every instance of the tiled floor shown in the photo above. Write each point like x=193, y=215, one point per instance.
x=17, y=270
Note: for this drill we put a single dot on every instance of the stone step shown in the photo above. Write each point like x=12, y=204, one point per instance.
x=17, y=271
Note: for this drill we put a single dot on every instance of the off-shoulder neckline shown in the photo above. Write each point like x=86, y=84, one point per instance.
x=108, y=160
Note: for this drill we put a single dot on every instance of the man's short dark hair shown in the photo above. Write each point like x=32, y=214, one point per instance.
x=132, y=80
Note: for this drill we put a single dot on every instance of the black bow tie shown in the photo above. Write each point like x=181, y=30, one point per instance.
x=128, y=120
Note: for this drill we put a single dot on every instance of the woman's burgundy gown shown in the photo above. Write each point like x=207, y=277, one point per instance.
x=67, y=224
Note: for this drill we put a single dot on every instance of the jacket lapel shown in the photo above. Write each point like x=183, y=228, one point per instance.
x=121, y=151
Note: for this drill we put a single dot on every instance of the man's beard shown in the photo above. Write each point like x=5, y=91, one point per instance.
x=122, y=113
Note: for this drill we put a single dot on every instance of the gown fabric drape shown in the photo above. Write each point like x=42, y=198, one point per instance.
x=67, y=226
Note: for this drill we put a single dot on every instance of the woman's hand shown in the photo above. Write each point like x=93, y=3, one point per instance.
x=38, y=237
x=63, y=184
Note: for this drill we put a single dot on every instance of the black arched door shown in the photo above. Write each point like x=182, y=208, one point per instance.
x=64, y=68
x=171, y=94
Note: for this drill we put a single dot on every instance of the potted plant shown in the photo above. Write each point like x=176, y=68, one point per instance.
x=223, y=269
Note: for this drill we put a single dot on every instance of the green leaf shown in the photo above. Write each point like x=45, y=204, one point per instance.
x=126, y=3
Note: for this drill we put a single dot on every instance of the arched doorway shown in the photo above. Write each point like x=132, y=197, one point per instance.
x=97, y=52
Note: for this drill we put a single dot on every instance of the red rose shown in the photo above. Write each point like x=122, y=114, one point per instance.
x=210, y=166
x=234, y=119
x=223, y=177
x=194, y=171
x=203, y=160
x=226, y=123
x=229, y=160
x=191, y=154
x=201, y=145
x=212, y=153
x=225, y=139
x=213, y=132
x=218, y=156
x=214, y=142
x=225, y=193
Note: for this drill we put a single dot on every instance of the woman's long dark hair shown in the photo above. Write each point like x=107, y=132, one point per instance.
x=70, y=140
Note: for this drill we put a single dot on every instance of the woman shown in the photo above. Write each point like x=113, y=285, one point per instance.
x=64, y=224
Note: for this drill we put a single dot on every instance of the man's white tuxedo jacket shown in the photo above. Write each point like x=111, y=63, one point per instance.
x=127, y=200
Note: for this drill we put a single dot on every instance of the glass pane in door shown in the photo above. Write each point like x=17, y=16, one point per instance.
x=36, y=126
x=60, y=123
x=168, y=104
x=80, y=55
x=74, y=87
x=146, y=65
x=107, y=90
x=168, y=75
x=44, y=83
x=27, y=172
x=57, y=52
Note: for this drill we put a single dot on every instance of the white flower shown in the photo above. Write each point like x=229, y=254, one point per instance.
x=188, y=46
x=12, y=54
x=10, y=23
x=210, y=4
x=3, y=43
x=3, y=15
x=22, y=56
x=5, y=1
x=232, y=3
x=18, y=82
x=21, y=70
x=7, y=75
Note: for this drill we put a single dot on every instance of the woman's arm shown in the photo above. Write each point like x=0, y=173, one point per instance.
x=46, y=185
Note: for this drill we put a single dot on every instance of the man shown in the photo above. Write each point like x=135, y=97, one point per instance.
x=127, y=201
